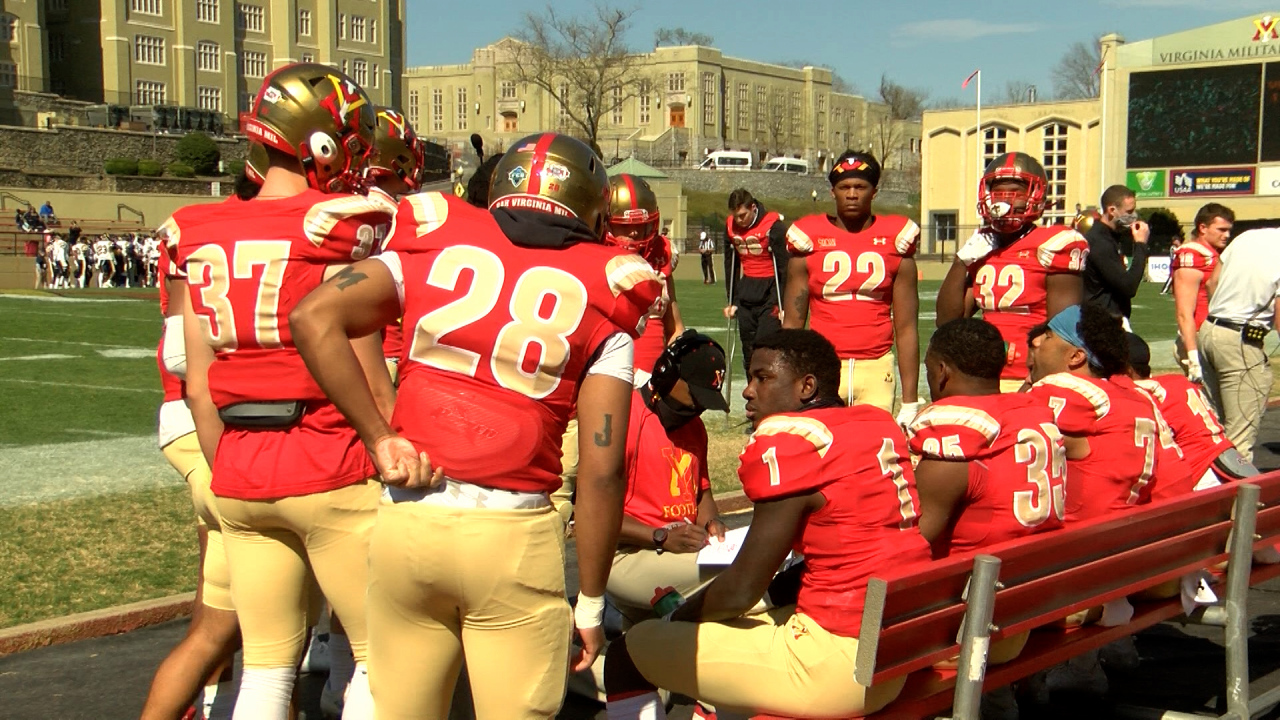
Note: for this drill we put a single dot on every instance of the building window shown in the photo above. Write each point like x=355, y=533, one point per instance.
x=8, y=75
x=304, y=23
x=360, y=72
x=8, y=28
x=207, y=11
x=462, y=109
x=246, y=102
x=644, y=105
x=708, y=99
x=208, y=57
x=821, y=131
x=437, y=110
x=57, y=47
x=375, y=77
x=1055, y=168
x=342, y=26
x=994, y=142
x=149, y=93
x=675, y=82
x=308, y=57
x=57, y=6
x=822, y=103
x=762, y=102
x=145, y=7
x=616, y=101
x=253, y=64
x=837, y=114
x=344, y=67
x=795, y=113
x=413, y=108
x=209, y=98
x=249, y=17
x=508, y=89
x=148, y=50
x=357, y=28
x=944, y=227
x=744, y=106
x=373, y=31
x=564, y=103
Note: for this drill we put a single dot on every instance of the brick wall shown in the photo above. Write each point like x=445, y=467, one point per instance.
x=81, y=149
x=771, y=184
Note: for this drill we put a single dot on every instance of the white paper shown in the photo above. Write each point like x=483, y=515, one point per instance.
x=723, y=553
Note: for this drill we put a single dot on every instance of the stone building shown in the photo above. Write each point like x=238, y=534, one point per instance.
x=684, y=102
x=205, y=55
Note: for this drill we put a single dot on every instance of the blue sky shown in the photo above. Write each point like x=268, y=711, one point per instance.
x=930, y=44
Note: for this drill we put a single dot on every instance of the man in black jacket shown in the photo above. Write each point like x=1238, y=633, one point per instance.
x=1106, y=280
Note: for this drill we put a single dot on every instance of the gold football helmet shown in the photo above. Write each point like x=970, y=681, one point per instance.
x=400, y=154
x=1085, y=219
x=554, y=174
x=633, y=213
x=1008, y=211
x=256, y=162
x=320, y=116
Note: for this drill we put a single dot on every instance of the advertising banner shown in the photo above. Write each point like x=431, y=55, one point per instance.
x=1217, y=181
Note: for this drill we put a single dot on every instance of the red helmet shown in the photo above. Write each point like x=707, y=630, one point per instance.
x=632, y=205
x=1008, y=211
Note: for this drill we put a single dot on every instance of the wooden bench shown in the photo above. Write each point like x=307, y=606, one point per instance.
x=960, y=606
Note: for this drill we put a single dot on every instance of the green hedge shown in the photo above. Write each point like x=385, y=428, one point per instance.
x=234, y=168
x=199, y=152
x=121, y=166
x=150, y=168
x=181, y=170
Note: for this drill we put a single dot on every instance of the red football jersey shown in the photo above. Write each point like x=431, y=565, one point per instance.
x=851, y=279
x=174, y=388
x=857, y=458
x=654, y=340
x=666, y=470
x=1189, y=415
x=499, y=336
x=1011, y=286
x=1017, y=465
x=248, y=264
x=752, y=245
x=1128, y=442
x=1198, y=256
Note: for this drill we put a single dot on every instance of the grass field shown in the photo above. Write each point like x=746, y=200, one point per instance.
x=90, y=513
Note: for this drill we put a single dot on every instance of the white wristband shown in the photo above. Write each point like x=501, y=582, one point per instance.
x=589, y=612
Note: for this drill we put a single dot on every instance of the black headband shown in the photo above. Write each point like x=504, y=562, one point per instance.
x=856, y=166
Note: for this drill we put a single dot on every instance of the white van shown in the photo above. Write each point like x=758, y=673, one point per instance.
x=727, y=160
x=786, y=164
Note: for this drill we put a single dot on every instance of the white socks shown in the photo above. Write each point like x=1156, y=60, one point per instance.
x=646, y=706
x=359, y=701
x=264, y=694
x=209, y=701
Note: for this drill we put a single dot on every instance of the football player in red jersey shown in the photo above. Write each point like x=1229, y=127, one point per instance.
x=852, y=276
x=992, y=465
x=203, y=657
x=1118, y=445
x=755, y=267
x=1017, y=273
x=395, y=169
x=835, y=484
x=633, y=226
x=1211, y=458
x=1193, y=265
x=517, y=313
x=294, y=486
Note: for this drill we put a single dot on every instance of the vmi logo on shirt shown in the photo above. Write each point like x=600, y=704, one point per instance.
x=681, y=471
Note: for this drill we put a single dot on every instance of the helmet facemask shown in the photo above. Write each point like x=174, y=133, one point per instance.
x=1019, y=200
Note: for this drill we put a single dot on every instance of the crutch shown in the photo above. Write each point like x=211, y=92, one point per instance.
x=731, y=336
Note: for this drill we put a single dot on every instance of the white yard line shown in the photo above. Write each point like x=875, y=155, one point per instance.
x=157, y=320
x=109, y=388
x=59, y=299
x=41, y=357
x=73, y=342
x=43, y=473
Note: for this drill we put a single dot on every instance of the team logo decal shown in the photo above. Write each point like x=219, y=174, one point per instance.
x=555, y=170
x=1266, y=28
x=517, y=175
x=681, y=472
x=719, y=380
x=272, y=95
x=396, y=121
x=880, y=241
x=345, y=98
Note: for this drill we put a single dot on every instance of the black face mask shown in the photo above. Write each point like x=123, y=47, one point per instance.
x=672, y=414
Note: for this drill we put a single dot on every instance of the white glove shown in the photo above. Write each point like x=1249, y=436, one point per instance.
x=908, y=414
x=1191, y=366
x=978, y=246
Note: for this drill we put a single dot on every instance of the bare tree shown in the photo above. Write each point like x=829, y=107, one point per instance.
x=1075, y=77
x=584, y=63
x=904, y=103
x=838, y=82
x=901, y=105
x=1016, y=92
x=678, y=36
x=948, y=103
x=777, y=120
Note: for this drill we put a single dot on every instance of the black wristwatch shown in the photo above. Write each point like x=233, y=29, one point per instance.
x=660, y=537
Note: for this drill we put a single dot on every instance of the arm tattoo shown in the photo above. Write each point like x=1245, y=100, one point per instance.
x=604, y=438
x=348, y=277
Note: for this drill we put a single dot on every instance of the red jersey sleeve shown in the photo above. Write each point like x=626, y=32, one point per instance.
x=1063, y=252
x=798, y=241
x=952, y=431
x=1195, y=256
x=908, y=239
x=1077, y=404
x=170, y=234
x=417, y=216
x=636, y=289
x=356, y=224
x=784, y=457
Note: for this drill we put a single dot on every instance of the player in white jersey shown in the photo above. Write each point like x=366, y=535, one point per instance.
x=58, y=258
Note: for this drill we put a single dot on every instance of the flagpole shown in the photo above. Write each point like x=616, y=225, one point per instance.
x=977, y=158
